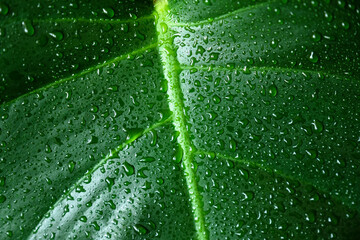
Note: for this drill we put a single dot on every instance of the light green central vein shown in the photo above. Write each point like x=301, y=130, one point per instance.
x=171, y=69
x=100, y=164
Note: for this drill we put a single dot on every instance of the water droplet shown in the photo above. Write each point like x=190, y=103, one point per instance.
x=232, y=145
x=83, y=219
x=9, y=233
x=313, y=57
x=345, y=25
x=92, y=140
x=310, y=217
x=28, y=28
x=200, y=50
x=128, y=168
x=316, y=37
x=95, y=225
x=71, y=166
x=108, y=12
x=114, y=88
x=312, y=153
x=164, y=27
x=140, y=229
x=147, y=159
x=4, y=9
x=318, y=126
x=58, y=36
x=273, y=90
x=216, y=99
x=111, y=204
x=328, y=16
x=139, y=35
x=94, y=109
x=247, y=196
x=48, y=148
x=274, y=43
x=178, y=155
x=110, y=182
x=214, y=56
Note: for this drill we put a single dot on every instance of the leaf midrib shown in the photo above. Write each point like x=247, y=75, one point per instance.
x=171, y=72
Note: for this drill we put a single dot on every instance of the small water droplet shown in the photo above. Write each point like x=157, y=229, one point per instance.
x=164, y=27
x=58, y=36
x=345, y=25
x=316, y=37
x=273, y=90
x=310, y=217
x=95, y=225
x=140, y=229
x=71, y=166
x=111, y=204
x=108, y=12
x=83, y=219
x=318, y=126
x=147, y=159
x=110, y=182
x=128, y=168
x=313, y=57
x=28, y=28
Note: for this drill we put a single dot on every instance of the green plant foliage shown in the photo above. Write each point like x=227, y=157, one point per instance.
x=180, y=119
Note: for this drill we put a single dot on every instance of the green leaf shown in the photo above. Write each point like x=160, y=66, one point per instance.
x=179, y=120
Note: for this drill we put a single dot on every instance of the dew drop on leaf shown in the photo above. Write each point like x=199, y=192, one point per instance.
x=345, y=25
x=110, y=183
x=316, y=37
x=57, y=35
x=273, y=90
x=4, y=9
x=147, y=159
x=71, y=166
x=95, y=225
x=140, y=229
x=111, y=204
x=108, y=12
x=313, y=57
x=310, y=217
x=129, y=169
x=83, y=219
x=9, y=234
x=28, y=27
x=164, y=27
x=318, y=126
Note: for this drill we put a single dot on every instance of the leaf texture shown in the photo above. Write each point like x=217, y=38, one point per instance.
x=179, y=120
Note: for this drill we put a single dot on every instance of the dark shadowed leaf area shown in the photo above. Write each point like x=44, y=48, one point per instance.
x=180, y=119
